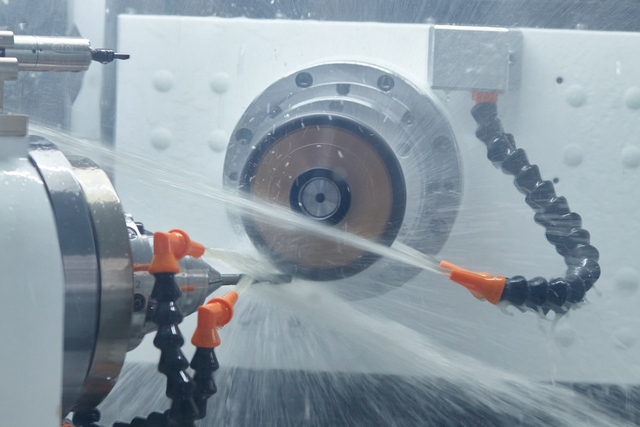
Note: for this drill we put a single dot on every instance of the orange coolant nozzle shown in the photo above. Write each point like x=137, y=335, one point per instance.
x=216, y=313
x=171, y=247
x=481, y=285
x=480, y=97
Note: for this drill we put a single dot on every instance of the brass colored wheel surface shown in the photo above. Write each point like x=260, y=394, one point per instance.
x=333, y=171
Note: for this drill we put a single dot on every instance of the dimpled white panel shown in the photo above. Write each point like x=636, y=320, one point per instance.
x=576, y=115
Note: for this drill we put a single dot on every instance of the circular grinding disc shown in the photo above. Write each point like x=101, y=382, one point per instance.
x=353, y=147
x=336, y=172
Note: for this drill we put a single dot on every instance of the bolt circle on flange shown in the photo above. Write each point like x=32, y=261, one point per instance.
x=385, y=82
x=304, y=80
x=383, y=166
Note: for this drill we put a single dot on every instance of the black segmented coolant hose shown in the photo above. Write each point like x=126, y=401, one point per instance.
x=563, y=227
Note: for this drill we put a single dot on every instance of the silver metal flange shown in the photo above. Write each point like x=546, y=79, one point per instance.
x=80, y=262
x=116, y=278
x=397, y=140
x=97, y=262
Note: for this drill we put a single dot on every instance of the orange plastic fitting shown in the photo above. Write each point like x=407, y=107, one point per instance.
x=171, y=247
x=216, y=313
x=140, y=267
x=481, y=285
x=479, y=97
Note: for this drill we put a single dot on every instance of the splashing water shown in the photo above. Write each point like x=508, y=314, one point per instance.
x=406, y=378
x=243, y=284
x=191, y=185
x=297, y=354
x=246, y=264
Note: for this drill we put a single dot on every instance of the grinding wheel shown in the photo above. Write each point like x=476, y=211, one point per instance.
x=355, y=148
x=336, y=172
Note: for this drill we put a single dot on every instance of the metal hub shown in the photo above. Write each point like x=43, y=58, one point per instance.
x=321, y=194
x=312, y=199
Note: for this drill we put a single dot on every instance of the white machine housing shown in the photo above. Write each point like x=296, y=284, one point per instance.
x=32, y=337
x=575, y=113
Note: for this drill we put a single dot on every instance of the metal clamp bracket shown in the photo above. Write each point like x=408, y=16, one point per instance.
x=481, y=59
